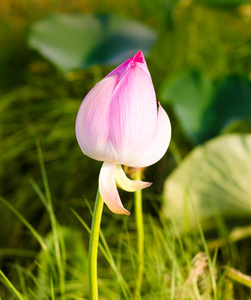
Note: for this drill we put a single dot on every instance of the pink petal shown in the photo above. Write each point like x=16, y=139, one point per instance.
x=127, y=184
x=137, y=59
x=91, y=125
x=132, y=116
x=158, y=145
x=108, y=189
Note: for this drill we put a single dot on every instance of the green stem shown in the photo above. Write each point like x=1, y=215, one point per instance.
x=140, y=233
x=93, y=247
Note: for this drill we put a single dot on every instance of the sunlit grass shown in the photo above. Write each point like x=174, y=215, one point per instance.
x=177, y=265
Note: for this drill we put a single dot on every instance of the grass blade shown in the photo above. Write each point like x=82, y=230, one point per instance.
x=12, y=288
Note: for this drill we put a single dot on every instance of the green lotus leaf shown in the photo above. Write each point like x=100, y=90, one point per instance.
x=79, y=41
x=216, y=178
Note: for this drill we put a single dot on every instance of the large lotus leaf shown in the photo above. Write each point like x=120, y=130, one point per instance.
x=204, y=108
x=230, y=103
x=79, y=41
x=216, y=177
x=190, y=95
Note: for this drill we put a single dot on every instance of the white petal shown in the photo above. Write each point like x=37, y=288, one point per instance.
x=108, y=189
x=159, y=144
x=91, y=125
x=127, y=184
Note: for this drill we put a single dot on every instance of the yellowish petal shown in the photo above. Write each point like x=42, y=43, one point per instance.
x=127, y=184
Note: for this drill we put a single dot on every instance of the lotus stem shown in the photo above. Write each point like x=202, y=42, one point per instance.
x=140, y=235
x=93, y=247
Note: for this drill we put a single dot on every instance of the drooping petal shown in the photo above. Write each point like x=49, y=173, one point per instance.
x=127, y=184
x=158, y=145
x=132, y=115
x=91, y=125
x=108, y=189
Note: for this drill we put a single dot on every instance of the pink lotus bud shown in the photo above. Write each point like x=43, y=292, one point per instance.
x=119, y=123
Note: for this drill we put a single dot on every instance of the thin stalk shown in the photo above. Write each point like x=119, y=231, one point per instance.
x=57, y=241
x=141, y=238
x=108, y=255
x=12, y=288
x=93, y=247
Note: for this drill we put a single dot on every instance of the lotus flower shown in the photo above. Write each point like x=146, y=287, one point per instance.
x=119, y=123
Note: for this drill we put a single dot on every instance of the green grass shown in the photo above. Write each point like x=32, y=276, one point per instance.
x=177, y=265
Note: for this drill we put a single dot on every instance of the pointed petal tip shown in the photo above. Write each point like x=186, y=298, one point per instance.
x=138, y=57
x=145, y=184
x=127, y=184
x=120, y=211
x=127, y=213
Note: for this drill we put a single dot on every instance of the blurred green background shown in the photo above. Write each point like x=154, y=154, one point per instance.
x=52, y=52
